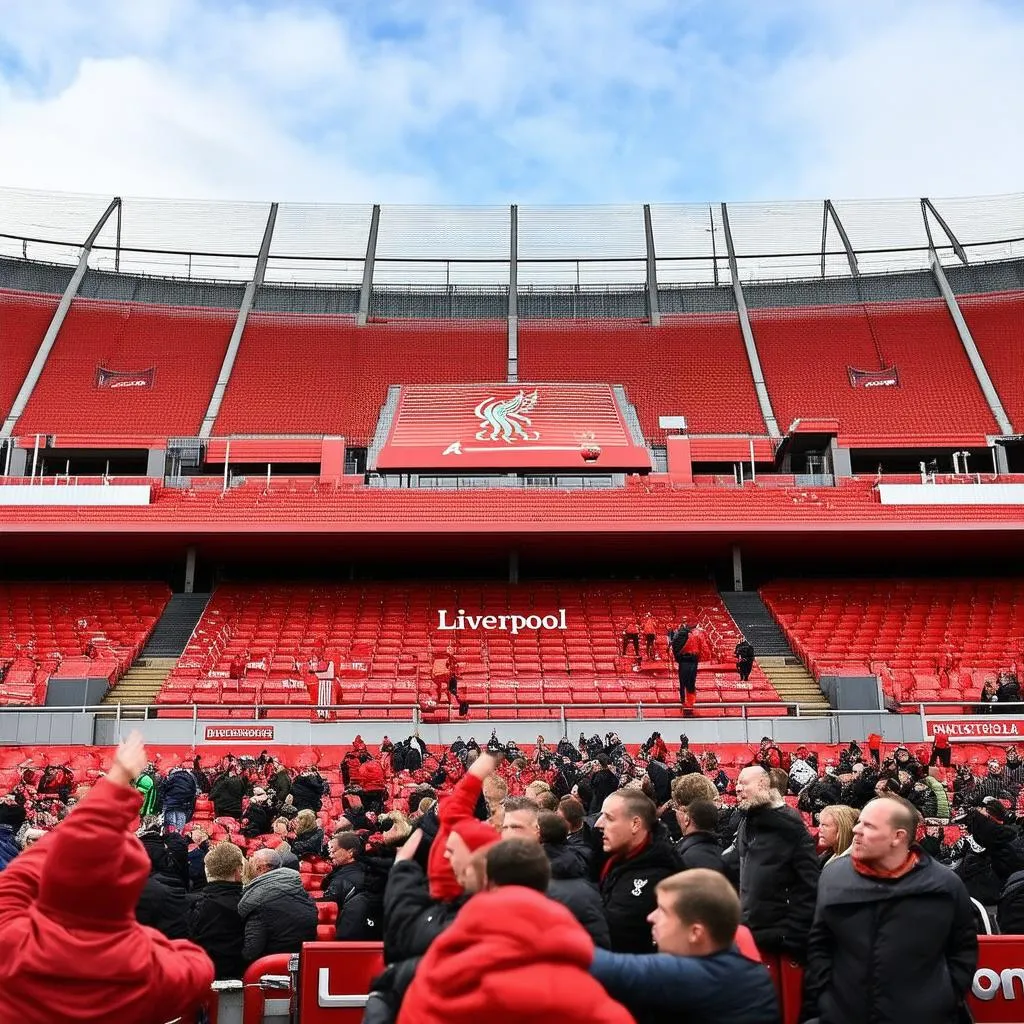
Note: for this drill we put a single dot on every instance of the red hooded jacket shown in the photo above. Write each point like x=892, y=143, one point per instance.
x=70, y=947
x=511, y=955
x=460, y=803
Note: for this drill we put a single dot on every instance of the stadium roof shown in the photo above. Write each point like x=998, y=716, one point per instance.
x=472, y=246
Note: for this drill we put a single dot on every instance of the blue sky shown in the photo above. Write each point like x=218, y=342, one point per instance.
x=532, y=101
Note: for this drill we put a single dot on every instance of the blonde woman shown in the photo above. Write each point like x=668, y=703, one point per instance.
x=835, y=831
x=309, y=837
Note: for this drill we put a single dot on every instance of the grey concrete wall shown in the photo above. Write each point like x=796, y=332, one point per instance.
x=42, y=728
x=853, y=693
x=76, y=693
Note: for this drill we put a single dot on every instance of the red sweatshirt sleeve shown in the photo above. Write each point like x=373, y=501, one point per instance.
x=460, y=802
x=182, y=975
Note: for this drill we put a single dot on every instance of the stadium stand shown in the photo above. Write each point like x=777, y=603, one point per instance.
x=928, y=640
x=24, y=318
x=324, y=375
x=382, y=640
x=71, y=629
x=807, y=355
x=178, y=351
x=995, y=324
x=693, y=366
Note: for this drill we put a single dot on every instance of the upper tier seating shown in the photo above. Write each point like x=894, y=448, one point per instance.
x=382, y=639
x=23, y=321
x=806, y=355
x=693, y=366
x=324, y=375
x=182, y=347
x=72, y=629
x=996, y=323
x=927, y=640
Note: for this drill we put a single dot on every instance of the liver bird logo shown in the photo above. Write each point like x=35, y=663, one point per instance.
x=505, y=420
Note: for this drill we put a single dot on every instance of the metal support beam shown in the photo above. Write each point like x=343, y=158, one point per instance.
x=927, y=206
x=652, y=269
x=967, y=340
x=851, y=257
x=248, y=297
x=748, y=334
x=50, y=337
x=366, y=288
x=737, y=568
x=513, y=295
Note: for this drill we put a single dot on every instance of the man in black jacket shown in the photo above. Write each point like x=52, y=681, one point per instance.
x=699, y=846
x=569, y=884
x=345, y=850
x=213, y=920
x=894, y=936
x=581, y=836
x=308, y=790
x=279, y=914
x=227, y=792
x=778, y=867
x=639, y=857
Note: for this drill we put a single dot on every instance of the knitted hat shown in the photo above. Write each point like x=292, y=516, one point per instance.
x=475, y=834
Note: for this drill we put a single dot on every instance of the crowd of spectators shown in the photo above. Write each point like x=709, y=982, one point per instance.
x=572, y=861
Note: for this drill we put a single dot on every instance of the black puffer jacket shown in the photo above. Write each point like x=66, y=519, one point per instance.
x=1011, y=906
x=778, y=878
x=214, y=924
x=257, y=820
x=308, y=792
x=279, y=914
x=162, y=905
x=700, y=850
x=412, y=920
x=899, y=950
x=179, y=792
x=309, y=844
x=226, y=793
x=571, y=887
x=627, y=891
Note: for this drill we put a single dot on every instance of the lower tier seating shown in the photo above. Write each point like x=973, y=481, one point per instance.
x=928, y=640
x=256, y=644
x=71, y=630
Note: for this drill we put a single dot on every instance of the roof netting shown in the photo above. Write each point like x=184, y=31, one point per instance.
x=558, y=247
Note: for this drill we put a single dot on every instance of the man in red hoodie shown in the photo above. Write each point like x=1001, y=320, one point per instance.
x=70, y=947
x=511, y=955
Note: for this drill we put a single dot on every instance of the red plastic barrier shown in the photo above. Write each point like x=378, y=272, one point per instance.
x=997, y=995
x=334, y=979
x=255, y=995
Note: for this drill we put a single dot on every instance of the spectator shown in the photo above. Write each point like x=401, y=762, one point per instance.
x=835, y=831
x=778, y=867
x=993, y=856
x=688, y=646
x=279, y=782
x=70, y=947
x=346, y=878
x=256, y=820
x=639, y=857
x=309, y=837
x=162, y=904
x=631, y=637
x=12, y=811
x=308, y=790
x=279, y=915
x=1008, y=690
x=650, y=628
x=511, y=954
x=994, y=784
x=698, y=973
x=941, y=751
x=213, y=920
x=893, y=936
x=712, y=771
x=569, y=884
x=179, y=799
x=699, y=846
x=582, y=836
x=9, y=848
x=744, y=659
x=1011, y=905
x=227, y=792
x=989, y=698
x=361, y=916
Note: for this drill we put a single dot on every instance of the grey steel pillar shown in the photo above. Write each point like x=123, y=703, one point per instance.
x=366, y=288
x=970, y=348
x=737, y=568
x=190, y=570
x=50, y=337
x=513, y=296
x=652, y=269
x=748, y=335
x=231, y=354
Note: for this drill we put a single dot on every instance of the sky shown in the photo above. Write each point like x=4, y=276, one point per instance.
x=530, y=101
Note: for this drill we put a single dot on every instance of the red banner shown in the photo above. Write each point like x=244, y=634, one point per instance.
x=122, y=379
x=459, y=428
x=887, y=378
x=239, y=733
x=977, y=729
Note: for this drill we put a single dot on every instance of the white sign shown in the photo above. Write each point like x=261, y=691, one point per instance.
x=505, y=623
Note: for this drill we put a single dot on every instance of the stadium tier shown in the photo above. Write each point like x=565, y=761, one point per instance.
x=995, y=322
x=24, y=318
x=71, y=630
x=812, y=357
x=253, y=642
x=926, y=640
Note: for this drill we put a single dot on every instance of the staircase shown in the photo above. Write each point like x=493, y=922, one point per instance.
x=775, y=657
x=140, y=684
x=170, y=636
